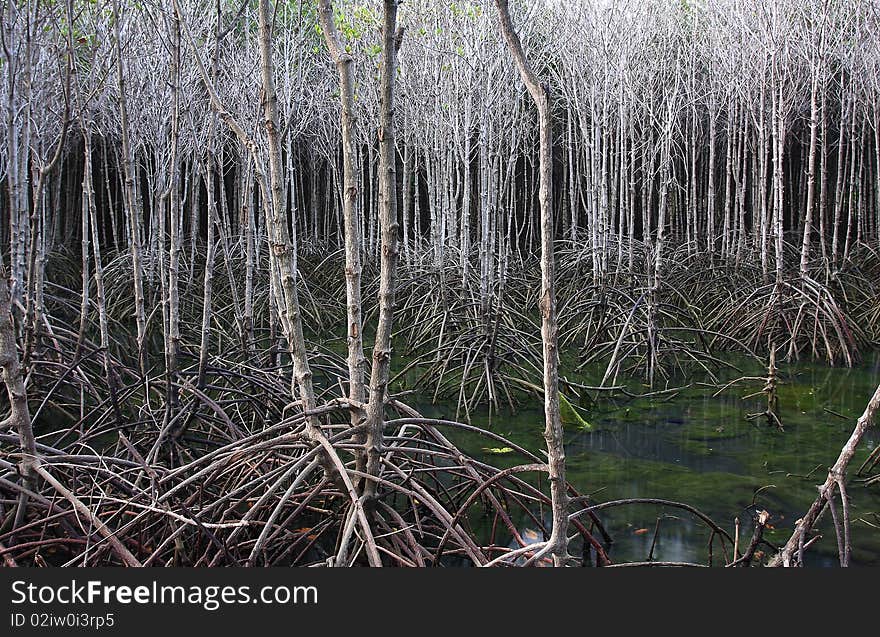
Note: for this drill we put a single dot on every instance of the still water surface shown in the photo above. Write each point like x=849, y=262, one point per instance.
x=697, y=448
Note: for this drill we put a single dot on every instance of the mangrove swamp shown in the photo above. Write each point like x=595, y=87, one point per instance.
x=431, y=283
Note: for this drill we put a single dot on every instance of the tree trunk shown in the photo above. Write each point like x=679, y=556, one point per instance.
x=19, y=416
x=350, y=178
x=388, y=267
x=129, y=198
x=553, y=433
x=172, y=343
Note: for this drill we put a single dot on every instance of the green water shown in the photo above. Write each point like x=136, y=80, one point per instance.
x=698, y=449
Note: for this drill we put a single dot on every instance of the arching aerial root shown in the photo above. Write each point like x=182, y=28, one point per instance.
x=262, y=499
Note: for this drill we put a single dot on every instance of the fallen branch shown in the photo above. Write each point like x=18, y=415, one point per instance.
x=836, y=476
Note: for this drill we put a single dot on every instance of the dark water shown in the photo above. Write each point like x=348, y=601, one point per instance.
x=700, y=449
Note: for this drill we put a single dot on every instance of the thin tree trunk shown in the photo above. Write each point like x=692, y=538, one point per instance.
x=710, y=191
x=391, y=40
x=208, y=283
x=88, y=195
x=19, y=415
x=129, y=198
x=553, y=434
x=351, y=178
x=815, y=115
x=407, y=204
x=172, y=343
x=282, y=244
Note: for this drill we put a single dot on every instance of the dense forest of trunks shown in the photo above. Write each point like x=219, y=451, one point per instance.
x=211, y=210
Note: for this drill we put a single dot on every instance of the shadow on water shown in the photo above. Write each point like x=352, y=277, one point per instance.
x=700, y=449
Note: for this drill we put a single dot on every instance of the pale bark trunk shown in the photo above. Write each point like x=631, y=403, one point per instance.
x=356, y=361
x=466, y=193
x=129, y=198
x=553, y=433
x=208, y=284
x=282, y=245
x=847, y=107
x=250, y=257
x=710, y=190
x=729, y=176
x=762, y=185
x=811, y=171
x=484, y=215
x=778, y=140
x=573, y=182
x=388, y=266
x=855, y=155
x=876, y=127
x=823, y=185
x=172, y=343
x=14, y=185
x=84, y=243
x=407, y=204
x=19, y=416
x=90, y=213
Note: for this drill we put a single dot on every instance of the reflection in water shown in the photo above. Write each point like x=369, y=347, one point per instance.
x=630, y=441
